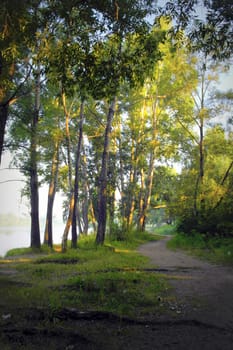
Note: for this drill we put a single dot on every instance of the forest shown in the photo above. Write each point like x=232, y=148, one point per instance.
x=116, y=105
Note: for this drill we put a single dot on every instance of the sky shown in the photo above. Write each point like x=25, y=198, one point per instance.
x=12, y=182
x=11, y=185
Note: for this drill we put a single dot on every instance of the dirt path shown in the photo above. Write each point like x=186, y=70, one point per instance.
x=203, y=291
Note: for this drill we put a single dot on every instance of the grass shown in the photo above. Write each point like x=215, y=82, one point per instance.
x=215, y=249
x=166, y=230
x=102, y=278
x=25, y=251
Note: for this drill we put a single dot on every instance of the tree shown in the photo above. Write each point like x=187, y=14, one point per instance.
x=102, y=201
x=77, y=176
x=33, y=168
x=51, y=138
x=24, y=142
x=198, y=190
x=122, y=67
x=208, y=24
x=18, y=30
x=153, y=128
x=215, y=219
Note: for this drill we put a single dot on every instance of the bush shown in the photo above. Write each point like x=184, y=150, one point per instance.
x=216, y=249
x=117, y=233
x=193, y=241
x=210, y=224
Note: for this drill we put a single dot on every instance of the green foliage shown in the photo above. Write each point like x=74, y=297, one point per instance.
x=211, y=33
x=165, y=230
x=182, y=241
x=118, y=237
x=215, y=249
x=117, y=233
x=209, y=222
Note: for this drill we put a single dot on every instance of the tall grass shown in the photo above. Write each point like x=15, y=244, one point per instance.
x=215, y=249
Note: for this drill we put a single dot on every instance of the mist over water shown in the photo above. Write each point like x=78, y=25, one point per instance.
x=19, y=237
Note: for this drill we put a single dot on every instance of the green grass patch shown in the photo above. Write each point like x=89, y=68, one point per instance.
x=215, y=249
x=166, y=230
x=103, y=278
x=122, y=292
x=44, y=249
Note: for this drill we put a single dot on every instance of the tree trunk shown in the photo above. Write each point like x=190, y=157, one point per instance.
x=85, y=201
x=35, y=226
x=71, y=195
x=77, y=177
x=130, y=201
x=3, y=120
x=102, y=200
x=68, y=224
x=34, y=187
x=93, y=217
x=68, y=142
x=85, y=215
x=200, y=177
x=48, y=234
x=150, y=175
x=112, y=188
x=141, y=201
x=147, y=198
x=79, y=219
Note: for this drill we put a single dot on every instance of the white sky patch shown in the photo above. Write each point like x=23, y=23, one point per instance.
x=11, y=184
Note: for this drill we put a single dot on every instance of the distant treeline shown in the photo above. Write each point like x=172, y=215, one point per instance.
x=10, y=219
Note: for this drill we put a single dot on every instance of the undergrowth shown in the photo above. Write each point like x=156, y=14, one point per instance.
x=166, y=230
x=215, y=249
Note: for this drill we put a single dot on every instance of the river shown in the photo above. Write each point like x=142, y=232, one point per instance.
x=19, y=237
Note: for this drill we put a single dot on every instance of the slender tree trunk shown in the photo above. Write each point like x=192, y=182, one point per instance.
x=68, y=224
x=200, y=177
x=79, y=219
x=102, y=202
x=85, y=201
x=48, y=234
x=34, y=187
x=35, y=226
x=222, y=183
x=77, y=177
x=112, y=188
x=122, y=186
x=141, y=201
x=68, y=142
x=71, y=195
x=85, y=215
x=93, y=217
x=131, y=201
x=147, y=198
x=150, y=175
x=3, y=120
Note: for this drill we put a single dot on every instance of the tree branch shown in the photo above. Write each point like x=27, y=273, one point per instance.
x=222, y=183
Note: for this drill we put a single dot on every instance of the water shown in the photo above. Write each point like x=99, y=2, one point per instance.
x=19, y=237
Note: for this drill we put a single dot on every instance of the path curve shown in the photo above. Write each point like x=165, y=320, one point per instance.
x=203, y=291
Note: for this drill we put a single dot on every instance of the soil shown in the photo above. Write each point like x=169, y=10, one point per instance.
x=197, y=314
